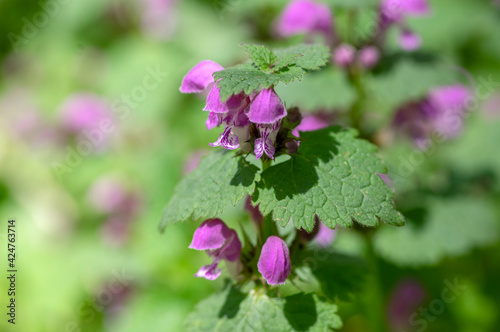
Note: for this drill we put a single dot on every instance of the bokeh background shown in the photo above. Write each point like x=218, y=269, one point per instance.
x=89, y=253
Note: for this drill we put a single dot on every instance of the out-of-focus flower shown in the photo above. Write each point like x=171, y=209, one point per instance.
x=344, y=55
x=409, y=41
x=369, y=57
x=325, y=236
x=305, y=17
x=85, y=111
x=321, y=234
x=440, y=113
x=120, y=204
x=395, y=12
x=159, y=18
x=220, y=243
x=311, y=123
x=274, y=262
x=405, y=299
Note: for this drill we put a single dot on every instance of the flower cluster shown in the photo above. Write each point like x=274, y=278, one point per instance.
x=441, y=113
x=395, y=12
x=240, y=113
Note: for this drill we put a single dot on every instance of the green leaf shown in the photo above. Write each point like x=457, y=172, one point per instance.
x=313, y=56
x=334, y=175
x=247, y=78
x=233, y=310
x=284, y=65
x=261, y=56
x=219, y=180
x=444, y=227
x=338, y=275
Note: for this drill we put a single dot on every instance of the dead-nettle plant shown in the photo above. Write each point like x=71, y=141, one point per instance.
x=315, y=180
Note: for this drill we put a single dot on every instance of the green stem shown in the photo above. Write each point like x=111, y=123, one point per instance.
x=266, y=163
x=375, y=304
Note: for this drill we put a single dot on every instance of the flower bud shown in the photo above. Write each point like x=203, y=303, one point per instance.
x=369, y=56
x=274, y=262
x=220, y=242
x=344, y=55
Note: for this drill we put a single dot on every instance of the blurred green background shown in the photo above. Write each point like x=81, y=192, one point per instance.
x=78, y=270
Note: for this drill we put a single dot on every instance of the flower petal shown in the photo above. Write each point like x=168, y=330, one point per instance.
x=214, y=103
x=212, y=234
x=209, y=272
x=397, y=10
x=305, y=16
x=199, y=77
x=325, y=235
x=214, y=120
x=409, y=41
x=227, y=140
x=266, y=107
x=274, y=262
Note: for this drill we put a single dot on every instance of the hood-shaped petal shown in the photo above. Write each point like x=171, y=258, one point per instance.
x=305, y=17
x=266, y=108
x=274, y=262
x=232, y=249
x=213, y=120
x=212, y=234
x=199, y=77
x=214, y=103
x=409, y=41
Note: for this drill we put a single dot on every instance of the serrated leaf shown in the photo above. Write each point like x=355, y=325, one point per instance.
x=334, y=176
x=313, y=56
x=247, y=78
x=445, y=228
x=261, y=56
x=286, y=60
x=233, y=310
x=338, y=275
x=219, y=180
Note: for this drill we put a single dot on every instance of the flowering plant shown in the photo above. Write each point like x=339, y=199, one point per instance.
x=306, y=170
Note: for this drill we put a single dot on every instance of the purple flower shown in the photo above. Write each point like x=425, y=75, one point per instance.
x=266, y=108
x=325, y=235
x=311, y=123
x=305, y=17
x=274, y=262
x=159, y=18
x=369, y=56
x=395, y=11
x=220, y=243
x=405, y=299
x=409, y=41
x=85, y=111
x=387, y=180
x=265, y=143
x=344, y=55
x=200, y=77
x=440, y=113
